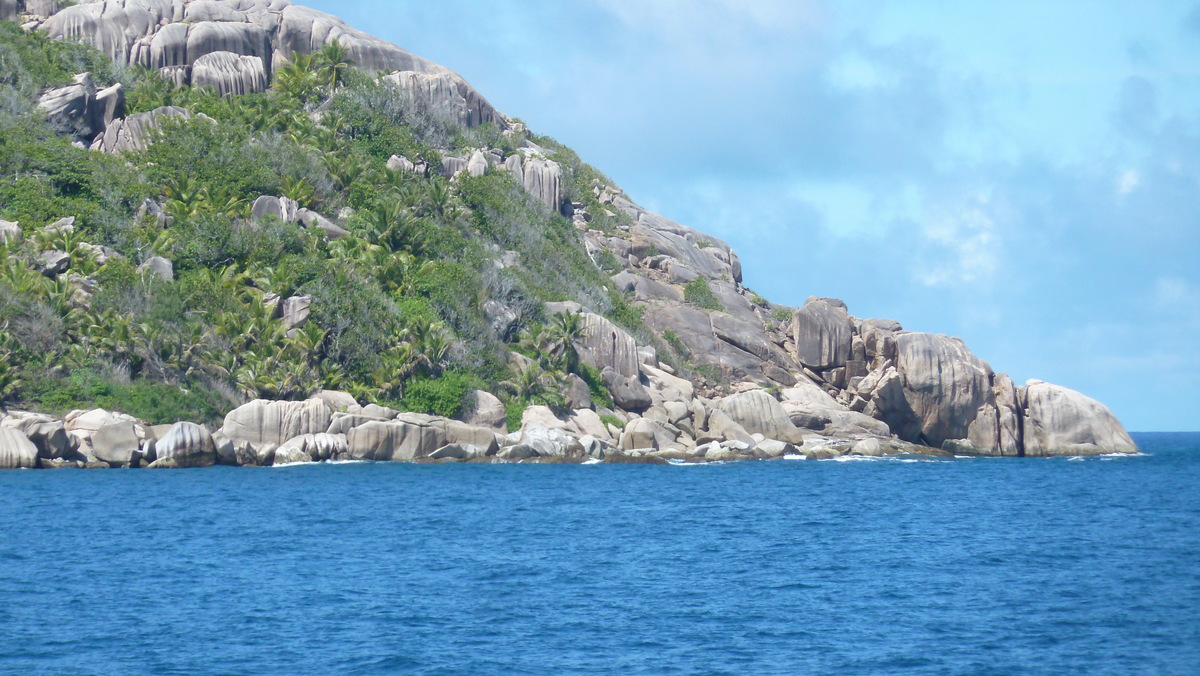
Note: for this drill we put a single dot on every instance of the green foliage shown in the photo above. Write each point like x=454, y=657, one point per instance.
x=676, y=343
x=157, y=403
x=442, y=396
x=609, y=419
x=698, y=292
x=601, y=397
x=758, y=300
x=781, y=314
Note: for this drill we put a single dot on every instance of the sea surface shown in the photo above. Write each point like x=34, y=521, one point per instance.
x=965, y=566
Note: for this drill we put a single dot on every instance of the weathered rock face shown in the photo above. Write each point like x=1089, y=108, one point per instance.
x=116, y=443
x=485, y=410
x=823, y=333
x=944, y=385
x=758, y=412
x=186, y=445
x=16, y=450
x=134, y=132
x=394, y=441
x=605, y=345
x=80, y=109
x=230, y=74
x=1059, y=421
x=274, y=422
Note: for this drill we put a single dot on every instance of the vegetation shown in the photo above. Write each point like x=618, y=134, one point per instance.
x=698, y=292
x=408, y=309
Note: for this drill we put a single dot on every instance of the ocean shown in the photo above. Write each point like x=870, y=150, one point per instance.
x=914, y=566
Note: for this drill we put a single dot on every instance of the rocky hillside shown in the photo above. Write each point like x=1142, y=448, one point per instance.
x=206, y=203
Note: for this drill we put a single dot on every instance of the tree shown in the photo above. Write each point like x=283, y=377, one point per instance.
x=333, y=62
x=565, y=330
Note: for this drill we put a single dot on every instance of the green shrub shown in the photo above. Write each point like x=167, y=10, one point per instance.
x=609, y=419
x=443, y=395
x=676, y=343
x=596, y=387
x=781, y=314
x=157, y=403
x=698, y=292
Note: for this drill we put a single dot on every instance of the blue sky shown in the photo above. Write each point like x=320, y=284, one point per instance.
x=1024, y=175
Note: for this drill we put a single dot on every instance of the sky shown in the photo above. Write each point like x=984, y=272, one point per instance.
x=1024, y=175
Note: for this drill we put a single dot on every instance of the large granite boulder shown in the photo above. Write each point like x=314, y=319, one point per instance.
x=117, y=444
x=230, y=74
x=274, y=422
x=186, y=445
x=606, y=345
x=16, y=450
x=643, y=433
x=396, y=440
x=134, y=132
x=944, y=384
x=484, y=409
x=823, y=333
x=627, y=393
x=1059, y=421
x=760, y=413
x=81, y=109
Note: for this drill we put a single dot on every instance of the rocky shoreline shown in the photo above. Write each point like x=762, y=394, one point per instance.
x=332, y=426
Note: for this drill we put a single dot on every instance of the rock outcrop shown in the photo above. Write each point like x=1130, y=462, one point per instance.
x=1062, y=421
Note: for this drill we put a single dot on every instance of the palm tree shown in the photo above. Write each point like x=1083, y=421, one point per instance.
x=528, y=383
x=565, y=330
x=333, y=62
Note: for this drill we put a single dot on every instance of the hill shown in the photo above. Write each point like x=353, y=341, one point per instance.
x=211, y=203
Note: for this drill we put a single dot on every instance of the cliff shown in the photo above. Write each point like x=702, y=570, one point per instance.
x=310, y=209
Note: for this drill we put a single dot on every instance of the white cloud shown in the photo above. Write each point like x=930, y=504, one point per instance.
x=961, y=243
x=1127, y=182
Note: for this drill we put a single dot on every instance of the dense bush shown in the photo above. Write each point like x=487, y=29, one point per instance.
x=444, y=395
x=697, y=291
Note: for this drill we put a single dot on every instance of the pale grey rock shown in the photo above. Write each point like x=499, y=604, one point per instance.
x=543, y=178
x=81, y=109
x=116, y=443
x=296, y=311
x=159, y=267
x=519, y=452
x=1060, y=421
x=477, y=165
x=135, y=132
x=627, y=393
x=484, y=409
x=394, y=441
x=588, y=422
x=186, y=445
x=721, y=427
x=644, y=433
x=823, y=334
x=269, y=206
x=702, y=253
x=944, y=385
x=338, y=401
x=274, y=422
x=312, y=448
x=377, y=411
x=577, y=393
x=49, y=435
x=16, y=450
x=53, y=263
x=759, y=412
x=451, y=452
x=606, y=345
x=646, y=289
x=772, y=448
x=230, y=74
x=550, y=443
x=668, y=388
x=541, y=416
x=10, y=10
x=342, y=423
x=10, y=232
x=482, y=439
x=312, y=219
x=447, y=96
x=225, y=449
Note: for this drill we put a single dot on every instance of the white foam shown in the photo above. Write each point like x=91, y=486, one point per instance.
x=795, y=457
x=593, y=461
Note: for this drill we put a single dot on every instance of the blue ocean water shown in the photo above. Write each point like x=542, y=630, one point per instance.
x=983, y=566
